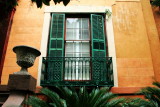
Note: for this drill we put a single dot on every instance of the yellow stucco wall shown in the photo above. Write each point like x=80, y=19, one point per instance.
x=26, y=30
x=135, y=47
x=132, y=46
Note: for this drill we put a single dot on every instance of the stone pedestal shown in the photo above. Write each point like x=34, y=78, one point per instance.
x=21, y=82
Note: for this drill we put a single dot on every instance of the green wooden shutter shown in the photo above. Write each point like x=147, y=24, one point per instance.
x=98, y=48
x=56, y=41
x=56, y=48
x=98, y=36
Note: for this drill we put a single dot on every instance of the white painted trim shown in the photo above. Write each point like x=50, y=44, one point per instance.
x=76, y=9
x=127, y=0
x=44, y=43
x=111, y=47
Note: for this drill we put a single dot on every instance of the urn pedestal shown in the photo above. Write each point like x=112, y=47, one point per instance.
x=22, y=80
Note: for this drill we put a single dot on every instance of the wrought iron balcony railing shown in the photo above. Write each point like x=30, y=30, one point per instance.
x=77, y=71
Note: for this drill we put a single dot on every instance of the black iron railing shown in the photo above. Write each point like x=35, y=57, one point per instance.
x=77, y=71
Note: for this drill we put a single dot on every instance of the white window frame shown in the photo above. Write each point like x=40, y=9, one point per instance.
x=77, y=9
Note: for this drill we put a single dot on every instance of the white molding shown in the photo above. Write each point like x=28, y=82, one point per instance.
x=127, y=0
x=44, y=43
x=76, y=9
x=111, y=47
x=80, y=9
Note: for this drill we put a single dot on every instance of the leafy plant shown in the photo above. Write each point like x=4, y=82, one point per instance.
x=8, y=5
x=96, y=98
x=137, y=102
x=73, y=98
x=39, y=3
x=56, y=101
x=156, y=3
x=152, y=94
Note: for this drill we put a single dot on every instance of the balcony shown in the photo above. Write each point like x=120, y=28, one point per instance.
x=77, y=71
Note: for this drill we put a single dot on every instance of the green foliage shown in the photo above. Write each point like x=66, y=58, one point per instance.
x=71, y=97
x=156, y=3
x=137, y=102
x=36, y=102
x=77, y=98
x=96, y=98
x=40, y=3
x=7, y=5
x=152, y=94
x=56, y=101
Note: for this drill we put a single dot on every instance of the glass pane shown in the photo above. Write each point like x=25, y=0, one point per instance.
x=72, y=23
x=77, y=29
x=69, y=47
x=69, y=55
x=85, y=47
x=73, y=34
x=77, y=46
x=69, y=34
x=77, y=54
x=85, y=34
x=85, y=55
x=85, y=22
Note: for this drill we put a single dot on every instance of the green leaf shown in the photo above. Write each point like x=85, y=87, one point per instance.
x=36, y=102
x=53, y=96
x=39, y=3
x=65, y=2
x=157, y=83
x=46, y=2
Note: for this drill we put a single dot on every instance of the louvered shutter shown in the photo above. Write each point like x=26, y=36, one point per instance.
x=56, y=47
x=98, y=47
x=56, y=44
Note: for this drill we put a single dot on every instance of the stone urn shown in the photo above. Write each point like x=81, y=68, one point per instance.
x=25, y=57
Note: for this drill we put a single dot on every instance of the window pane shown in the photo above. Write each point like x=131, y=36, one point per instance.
x=69, y=54
x=77, y=29
x=77, y=46
x=85, y=54
x=72, y=23
x=77, y=54
x=73, y=34
x=85, y=47
x=69, y=47
x=85, y=22
x=69, y=34
x=85, y=34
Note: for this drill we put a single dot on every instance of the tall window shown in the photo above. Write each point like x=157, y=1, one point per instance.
x=74, y=39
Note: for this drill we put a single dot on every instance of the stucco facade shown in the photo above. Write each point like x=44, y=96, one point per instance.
x=134, y=42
